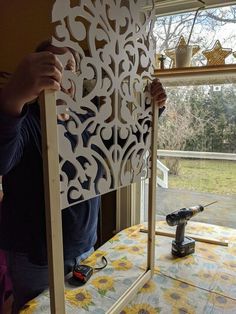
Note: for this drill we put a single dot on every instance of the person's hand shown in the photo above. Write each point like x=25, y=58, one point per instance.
x=37, y=72
x=158, y=93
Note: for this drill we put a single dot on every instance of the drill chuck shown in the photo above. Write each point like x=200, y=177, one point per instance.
x=182, y=215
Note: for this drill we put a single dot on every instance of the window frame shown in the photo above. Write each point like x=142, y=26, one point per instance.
x=167, y=7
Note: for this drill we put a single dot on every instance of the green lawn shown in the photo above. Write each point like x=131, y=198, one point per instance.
x=211, y=176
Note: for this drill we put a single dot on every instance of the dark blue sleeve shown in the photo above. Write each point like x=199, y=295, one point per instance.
x=12, y=139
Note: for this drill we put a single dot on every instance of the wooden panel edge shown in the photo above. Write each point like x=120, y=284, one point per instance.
x=126, y=297
x=195, y=70
x=48, y=118
x=152, y=192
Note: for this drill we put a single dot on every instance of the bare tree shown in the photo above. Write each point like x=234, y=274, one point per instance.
x=168, y=29
x=182, y=123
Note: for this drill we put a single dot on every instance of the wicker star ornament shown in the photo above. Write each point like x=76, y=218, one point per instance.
x=217, y=55
x=157, y=60
x=181, y=43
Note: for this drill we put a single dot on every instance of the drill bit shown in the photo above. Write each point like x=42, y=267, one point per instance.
x=210, y=204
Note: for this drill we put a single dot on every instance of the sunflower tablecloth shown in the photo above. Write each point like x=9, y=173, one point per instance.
x=202, y=283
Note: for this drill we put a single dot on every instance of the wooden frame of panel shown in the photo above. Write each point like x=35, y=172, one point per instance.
x=53, y=213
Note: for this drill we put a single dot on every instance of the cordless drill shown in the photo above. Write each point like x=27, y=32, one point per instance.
x=182, y=245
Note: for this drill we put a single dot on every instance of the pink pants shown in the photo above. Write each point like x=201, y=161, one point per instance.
x=5, y=282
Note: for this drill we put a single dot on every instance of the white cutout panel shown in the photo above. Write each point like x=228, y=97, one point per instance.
x=110, y=113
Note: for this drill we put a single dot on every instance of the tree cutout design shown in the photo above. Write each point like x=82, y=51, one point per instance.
x=106, y=142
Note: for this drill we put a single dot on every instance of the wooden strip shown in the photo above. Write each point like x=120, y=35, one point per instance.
x=130, y=293
x=220, y=74
x=199, y=239
x=198, y=155
x=196, y=70
x=50, y=154
x=152, y=193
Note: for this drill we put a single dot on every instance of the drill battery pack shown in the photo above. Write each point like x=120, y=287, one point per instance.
x=186, y=247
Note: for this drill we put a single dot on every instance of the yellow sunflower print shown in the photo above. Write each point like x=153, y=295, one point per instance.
x=90, y=261
x=80, y=298
x=232, y=250
x=226, y=278
x=134, y=236
x=116, y=238
x=232, y=239
x=198, y=228
x=183, y=309
x=103, y=284
x=143, y=266
x=187, y=260
x=133, y=229
x=122, y=264
x=219, y=301
x=183, y=286
x=231, y=265
x=121, y=247
x=135, y=250
x=99, y=253
x=175, y=296
x=207, y=253
x=144, y=241
x=142, y=308
x=29, y=308
x=206, y=275
x=149, y=287
x=157, y=269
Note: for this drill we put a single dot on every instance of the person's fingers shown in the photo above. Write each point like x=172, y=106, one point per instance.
x=58, y=64
x=156, y=80
x=160, y=95
x=156, y=87
x=158, y=92
x=51, y=71
x=156, y=84
x=161, y=103
x=47, y=57
x=48, y=83
x=70, y=90
x=160, y=98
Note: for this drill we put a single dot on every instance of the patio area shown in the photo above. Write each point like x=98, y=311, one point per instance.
x=222, y=213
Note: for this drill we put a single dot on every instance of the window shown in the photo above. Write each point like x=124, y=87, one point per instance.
x=197, y=145
x=166, y=7
x=197, y=133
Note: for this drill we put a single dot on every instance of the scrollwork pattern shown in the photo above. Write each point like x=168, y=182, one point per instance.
x=110, y=114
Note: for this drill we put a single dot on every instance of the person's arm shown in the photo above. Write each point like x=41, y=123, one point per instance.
x=36, y=72
x=12, y=140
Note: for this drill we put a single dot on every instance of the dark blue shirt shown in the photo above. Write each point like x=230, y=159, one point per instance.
x=22, y=226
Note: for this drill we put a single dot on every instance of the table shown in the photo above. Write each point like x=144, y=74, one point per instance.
x=204, y=282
